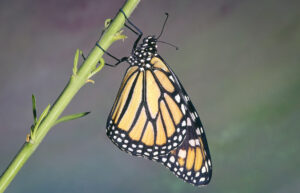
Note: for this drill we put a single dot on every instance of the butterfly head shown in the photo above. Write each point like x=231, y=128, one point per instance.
x=143, y=54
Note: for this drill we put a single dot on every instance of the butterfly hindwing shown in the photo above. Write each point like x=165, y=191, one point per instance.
x=191, y=161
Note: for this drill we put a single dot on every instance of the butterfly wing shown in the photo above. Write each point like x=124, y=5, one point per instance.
x=191, y=161
x=148, y=118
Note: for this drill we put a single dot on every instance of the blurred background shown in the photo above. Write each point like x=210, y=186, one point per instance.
x=238, y=60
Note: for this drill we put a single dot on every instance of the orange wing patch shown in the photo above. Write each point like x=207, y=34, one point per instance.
x=123, y=98
x=158, y=63
x=129, y=72
x=161, y=136
x=190, y=158
x=164, y=81
x=153, y=94
x=167, y=119
x=137, y=130
x=148, y=137
x=130, y=113
x=198, y=160
x=176, y=112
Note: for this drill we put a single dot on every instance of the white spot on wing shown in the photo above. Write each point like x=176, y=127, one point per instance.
x=193, y=116
x=172, y=159
x=183, y=108
x=189, y=123
x=171, y=78
x=177, y=98
x=196, y=114
x=192, y=142
x=198, y=131
x=182, y=153
x=180, y=138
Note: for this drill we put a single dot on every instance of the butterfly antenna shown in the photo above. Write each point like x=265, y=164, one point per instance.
x=169, y=44
x=162, y=29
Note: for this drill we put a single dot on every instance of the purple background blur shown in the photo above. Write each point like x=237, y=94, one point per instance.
x=238, y=60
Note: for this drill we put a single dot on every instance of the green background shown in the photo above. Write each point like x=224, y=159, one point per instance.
x=238, y=60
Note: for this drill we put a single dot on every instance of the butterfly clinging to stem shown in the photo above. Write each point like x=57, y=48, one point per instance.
x=153, y=116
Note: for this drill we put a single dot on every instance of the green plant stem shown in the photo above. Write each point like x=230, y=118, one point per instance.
x=73, y=86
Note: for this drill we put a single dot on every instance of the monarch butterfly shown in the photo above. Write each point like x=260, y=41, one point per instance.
x=153, y=116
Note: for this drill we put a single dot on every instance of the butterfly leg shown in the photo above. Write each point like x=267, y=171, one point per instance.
x=111, y=65
x=137, y=32
x=117, y=59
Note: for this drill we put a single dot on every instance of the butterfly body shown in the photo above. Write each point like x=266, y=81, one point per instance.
x=153, y=117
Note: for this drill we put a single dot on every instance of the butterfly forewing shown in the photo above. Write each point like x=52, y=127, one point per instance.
x=148, y=118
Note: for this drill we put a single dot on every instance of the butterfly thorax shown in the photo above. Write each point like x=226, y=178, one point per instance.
x=143, y=54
